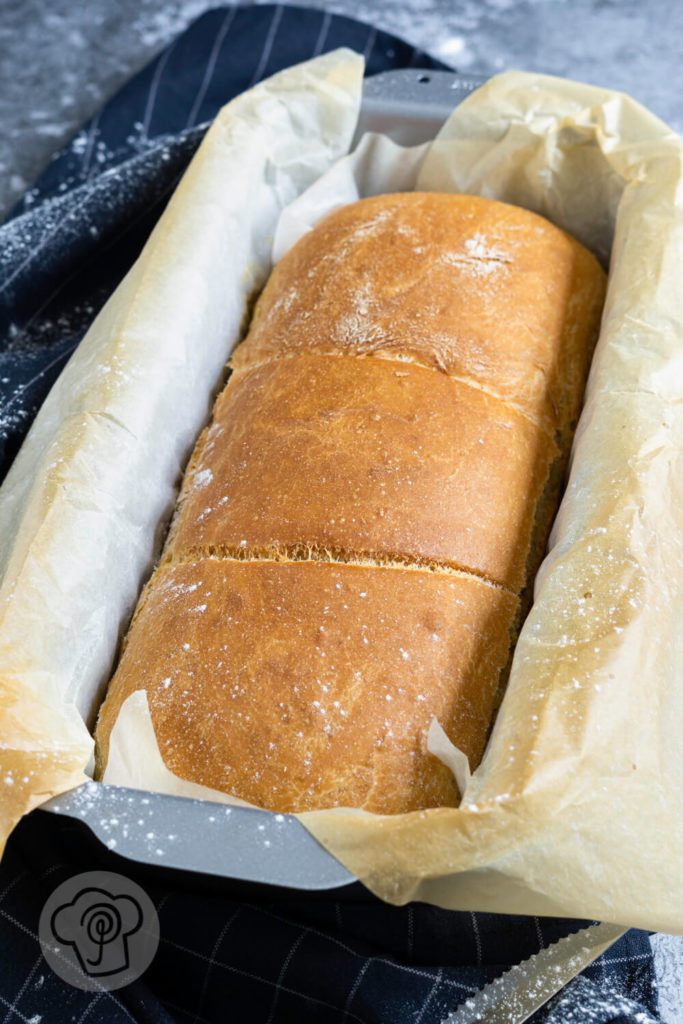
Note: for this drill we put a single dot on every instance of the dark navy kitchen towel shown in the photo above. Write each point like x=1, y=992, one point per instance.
x=222, y=957
x=268, y=956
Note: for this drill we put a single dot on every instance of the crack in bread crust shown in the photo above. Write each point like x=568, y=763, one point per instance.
x=318, y=553
x=390, y=356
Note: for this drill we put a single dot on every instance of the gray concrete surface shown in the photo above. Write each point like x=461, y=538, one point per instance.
x=60, y=60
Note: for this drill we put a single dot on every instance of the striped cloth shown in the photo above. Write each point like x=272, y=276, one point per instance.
x=226, y=954
x=73, y=236
x=243, y=953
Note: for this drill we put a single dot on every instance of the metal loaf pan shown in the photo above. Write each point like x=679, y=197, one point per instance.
x=236, y=843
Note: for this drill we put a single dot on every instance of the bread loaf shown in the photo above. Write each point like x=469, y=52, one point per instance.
x=359, y=521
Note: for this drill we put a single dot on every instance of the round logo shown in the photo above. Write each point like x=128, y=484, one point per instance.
x=99, y=930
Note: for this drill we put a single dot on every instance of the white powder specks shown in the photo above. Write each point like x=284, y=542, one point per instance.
x=184, y=588
x=201, y=479
x=480, y=258
x=477, y=248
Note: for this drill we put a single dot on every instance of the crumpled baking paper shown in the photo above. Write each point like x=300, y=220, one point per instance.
x=577, y=807
x=85, y=504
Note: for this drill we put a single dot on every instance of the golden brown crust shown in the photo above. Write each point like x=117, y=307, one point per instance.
x=479, y=289
x=257, y=683
x=393, y=413
x=365, y=455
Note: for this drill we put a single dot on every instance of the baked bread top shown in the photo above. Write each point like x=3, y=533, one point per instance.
x=482, y=290
x=360, y=518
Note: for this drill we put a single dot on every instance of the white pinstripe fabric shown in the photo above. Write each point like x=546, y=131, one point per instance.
x=430, y=995
x=370, y=43
x=477, y=937
x=13, y=1007
x=51, y=870
x=539, y=933
x=153, y=89
x=87, y=156
x=51, y=234
x=256, y=977
x=183, y=1009
x=410, y=923
x=91, y=1006
x=609, y=960
x=16, y=1013
x=278, y=986
x=376, y=959
x=283, y=970
x=352, y=992
x=41, y=373
x=212, y=963
x=33, y=935
x=130, y=225
x=162, y=902
x=211, y=65
x=35, y=315
x=322, y=35
x=8, y=888
x=267, y=45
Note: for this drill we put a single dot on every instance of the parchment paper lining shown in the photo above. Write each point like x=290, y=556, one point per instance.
x=84, y=505
x=577, y=808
